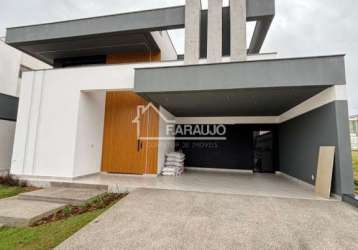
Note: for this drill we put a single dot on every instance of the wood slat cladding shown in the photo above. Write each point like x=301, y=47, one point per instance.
x=134, y=57
x=123, y=152
x=152, y=146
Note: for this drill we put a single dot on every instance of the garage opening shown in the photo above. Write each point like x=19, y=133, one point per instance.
x=245, y=147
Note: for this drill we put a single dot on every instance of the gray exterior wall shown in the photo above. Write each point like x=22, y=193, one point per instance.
x=300, y=139
x=313, y=71
x=8, y=107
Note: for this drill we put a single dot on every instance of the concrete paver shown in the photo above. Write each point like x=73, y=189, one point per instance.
x=70, y=196
x=163, y=219
x=22, y=213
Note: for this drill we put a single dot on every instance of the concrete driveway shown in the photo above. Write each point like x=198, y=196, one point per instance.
x=161, y=219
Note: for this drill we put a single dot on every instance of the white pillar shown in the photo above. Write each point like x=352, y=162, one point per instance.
x=238, y=30
x=215, y=31
x=192, y=31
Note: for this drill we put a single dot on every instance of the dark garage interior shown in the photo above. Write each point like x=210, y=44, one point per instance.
x=247, y=147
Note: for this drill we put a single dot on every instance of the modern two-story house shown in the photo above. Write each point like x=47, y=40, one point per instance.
x=77, y=119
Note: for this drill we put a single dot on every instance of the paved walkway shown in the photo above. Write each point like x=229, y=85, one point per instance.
x=27, y=208
x=162, y=219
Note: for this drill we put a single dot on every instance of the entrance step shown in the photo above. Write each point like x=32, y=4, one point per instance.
x=78, y=185
x=22, y=213
x=69, y=196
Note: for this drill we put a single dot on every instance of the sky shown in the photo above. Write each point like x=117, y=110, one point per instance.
x=300, y=27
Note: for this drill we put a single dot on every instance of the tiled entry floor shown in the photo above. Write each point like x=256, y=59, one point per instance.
x=210, y=181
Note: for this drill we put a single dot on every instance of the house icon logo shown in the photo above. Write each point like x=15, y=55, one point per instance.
x=174, y=131
x=145, y=111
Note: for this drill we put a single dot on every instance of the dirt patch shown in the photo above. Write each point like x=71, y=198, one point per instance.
x=100, y=202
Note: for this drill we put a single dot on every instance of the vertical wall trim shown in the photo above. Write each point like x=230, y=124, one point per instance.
x=38, y=121
x=215, y=28
x=192, y=31
x=33, y=122
x=28, y=111
x=238, y=30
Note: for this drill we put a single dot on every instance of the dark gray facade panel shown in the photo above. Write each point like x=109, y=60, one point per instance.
x=8, y=107
x=258, y=9
x=159, y=19
x=316, y=71
x=301, y=138
x=261, y=29
x=344, y=152
x=149, y=20
x=238, y=102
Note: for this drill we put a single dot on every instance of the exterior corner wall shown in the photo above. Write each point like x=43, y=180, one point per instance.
x=192, y=31
x=238, y=30
x=164, y=146
x=215, y=28
x=90, y=125
x=300, y=139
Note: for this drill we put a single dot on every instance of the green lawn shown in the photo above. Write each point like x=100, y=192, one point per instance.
x=355, y=168
x=6, y=191
x=46, y=236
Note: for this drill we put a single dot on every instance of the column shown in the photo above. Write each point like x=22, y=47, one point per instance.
x=238, y=30
x=192, y=31
x=214, y=54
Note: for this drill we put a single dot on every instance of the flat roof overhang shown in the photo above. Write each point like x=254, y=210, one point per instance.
x=109, y=34
x=251, y=88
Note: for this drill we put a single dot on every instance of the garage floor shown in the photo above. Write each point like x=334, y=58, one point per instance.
x=221, y=181
x=210, y=181
x=163, y=219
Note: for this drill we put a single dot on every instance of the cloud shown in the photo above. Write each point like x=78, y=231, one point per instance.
x=300, y=28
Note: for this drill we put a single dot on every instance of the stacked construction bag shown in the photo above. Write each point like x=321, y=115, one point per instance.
x=174, y=164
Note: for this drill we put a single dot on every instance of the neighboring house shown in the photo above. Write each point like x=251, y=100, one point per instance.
x=353, y=122
x=12, y=65
x=76, y=119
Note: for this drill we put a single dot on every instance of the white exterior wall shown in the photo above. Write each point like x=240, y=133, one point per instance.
x=9, y=69
x=53, y=111
x=10, y=62
x=88, y=154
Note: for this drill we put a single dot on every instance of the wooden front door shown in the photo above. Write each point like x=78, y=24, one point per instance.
x=123, y=152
